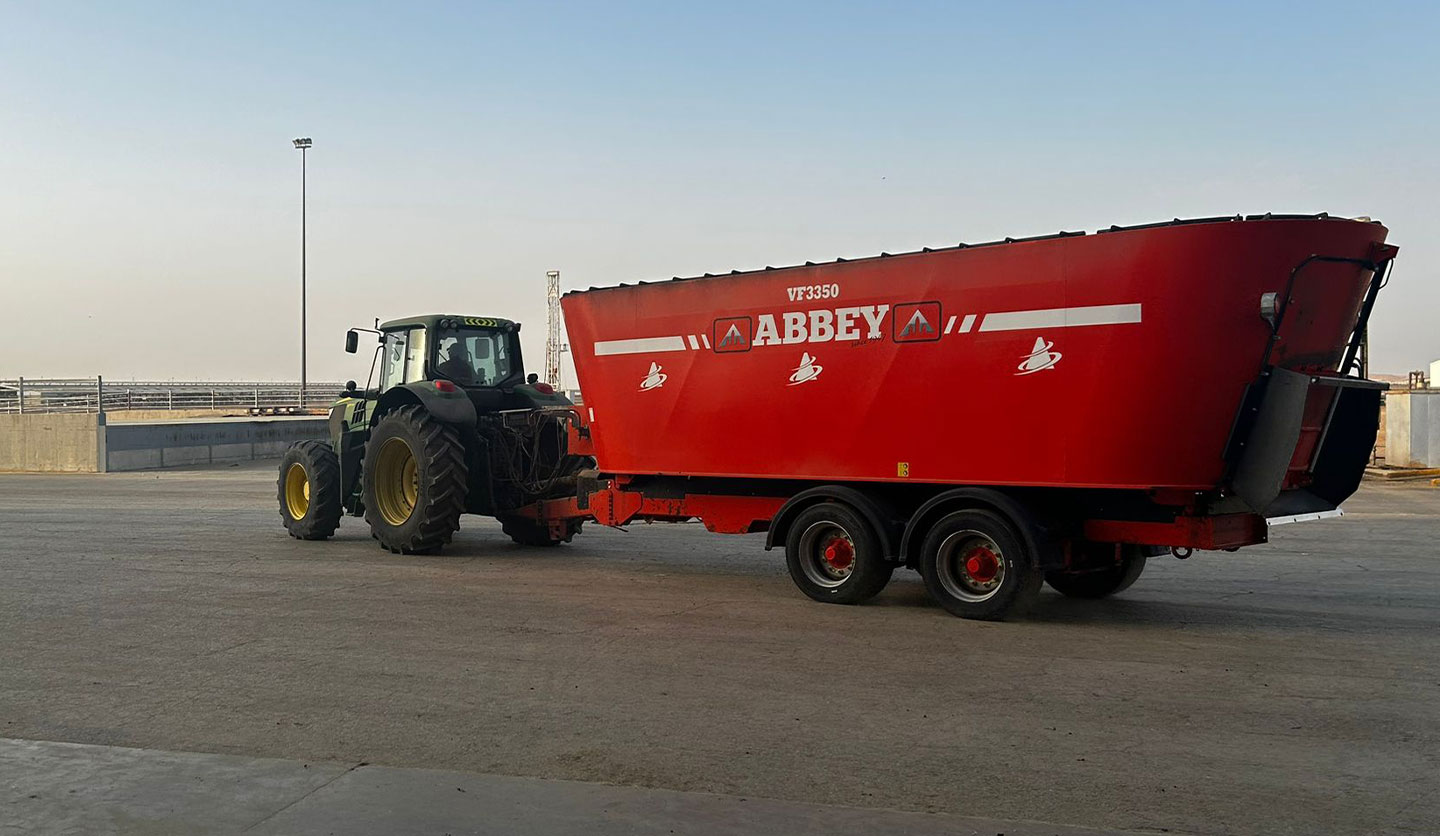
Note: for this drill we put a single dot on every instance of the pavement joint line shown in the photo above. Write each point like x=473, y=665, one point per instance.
x=302, y=797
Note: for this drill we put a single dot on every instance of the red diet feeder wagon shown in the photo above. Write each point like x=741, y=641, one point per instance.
x=1056, y=408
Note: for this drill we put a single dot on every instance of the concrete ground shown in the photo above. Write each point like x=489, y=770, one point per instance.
x=84, y=789
x=1288, y=688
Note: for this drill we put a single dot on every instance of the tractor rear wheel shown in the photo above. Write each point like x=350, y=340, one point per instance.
x=309, y=490
x=415, y=481
x=531, y=533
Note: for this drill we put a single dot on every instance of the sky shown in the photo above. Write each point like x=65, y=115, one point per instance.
x=150, y=194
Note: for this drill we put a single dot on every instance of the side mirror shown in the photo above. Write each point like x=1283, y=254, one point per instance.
x=352, y=342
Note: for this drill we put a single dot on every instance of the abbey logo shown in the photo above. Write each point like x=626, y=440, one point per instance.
x=730, y=335
x=863, y=322
x=917, y=322
x=910, y=322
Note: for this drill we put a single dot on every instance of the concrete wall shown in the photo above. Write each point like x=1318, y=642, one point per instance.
x=51, y=443
x=1412, y=428
x=143, y=446
x=82, y=443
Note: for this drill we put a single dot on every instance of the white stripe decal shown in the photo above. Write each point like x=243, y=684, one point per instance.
x=644, y=345
x=694, y=343
x=705, y=338
x=950, y=325
x=1061, y=318
x=968, y=323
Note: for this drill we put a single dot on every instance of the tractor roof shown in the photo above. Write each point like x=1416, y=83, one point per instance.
x=429, y=321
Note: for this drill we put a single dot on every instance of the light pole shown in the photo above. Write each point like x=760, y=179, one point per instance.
x=303, y=143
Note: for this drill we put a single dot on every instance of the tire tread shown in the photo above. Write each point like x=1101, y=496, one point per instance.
x=443, y=494
x=322, y=468
x=872, y=572
x=1014, y=601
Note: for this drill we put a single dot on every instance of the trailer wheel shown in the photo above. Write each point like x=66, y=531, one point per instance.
x=1099, y=583
x=309, y=490
x=415, y=482
x=976, y=566
x=531, y=533
x=834, y=556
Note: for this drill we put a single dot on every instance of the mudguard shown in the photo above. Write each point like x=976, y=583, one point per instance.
x=1036, y=537
x=876, y=512
x=452, y=408
x=529, y=396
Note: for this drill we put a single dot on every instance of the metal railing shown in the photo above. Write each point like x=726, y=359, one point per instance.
x=95, y=394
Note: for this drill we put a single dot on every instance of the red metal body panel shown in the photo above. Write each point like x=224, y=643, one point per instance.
x=615, y=506
x=1225, y=531
x=1112, y=360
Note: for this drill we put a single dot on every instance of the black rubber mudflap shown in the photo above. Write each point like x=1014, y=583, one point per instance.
x=1270, y=444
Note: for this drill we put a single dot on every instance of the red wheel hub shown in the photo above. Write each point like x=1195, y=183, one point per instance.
x=839, y=553
x=982, y=565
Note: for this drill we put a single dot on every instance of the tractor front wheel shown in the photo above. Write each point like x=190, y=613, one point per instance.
x=309, y=490
x=415, y=481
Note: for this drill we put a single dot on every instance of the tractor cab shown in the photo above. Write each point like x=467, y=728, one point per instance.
x=479, y=356
x=471, y=352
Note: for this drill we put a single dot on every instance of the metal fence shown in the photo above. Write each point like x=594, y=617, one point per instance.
x=95, y=394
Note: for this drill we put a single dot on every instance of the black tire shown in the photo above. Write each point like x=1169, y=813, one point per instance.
x=531, y=533
x=309, y=490
x=828, y=526
x=1102, y=582
x=1002, y=585
x=419, y=520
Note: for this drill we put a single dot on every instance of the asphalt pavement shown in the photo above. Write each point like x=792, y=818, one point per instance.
x=1287, y=688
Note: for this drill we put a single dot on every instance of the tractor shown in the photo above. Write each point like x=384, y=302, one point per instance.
x=452, y=427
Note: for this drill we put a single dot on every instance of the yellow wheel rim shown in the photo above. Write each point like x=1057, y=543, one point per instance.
x=297, y=491
x=397, y=481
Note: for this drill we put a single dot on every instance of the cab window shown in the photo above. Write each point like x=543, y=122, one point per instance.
x=392, y=360
x=403, y=359
x=415, y=355
x=473, y=358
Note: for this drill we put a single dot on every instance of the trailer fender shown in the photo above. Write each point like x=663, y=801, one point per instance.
x=1037, y=538
x=875, y=510
x=452, y=408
